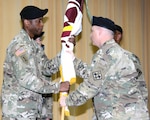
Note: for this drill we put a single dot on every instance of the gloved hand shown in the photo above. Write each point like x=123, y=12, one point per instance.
x=62, y=101
x=68, y=47
x=72, y=40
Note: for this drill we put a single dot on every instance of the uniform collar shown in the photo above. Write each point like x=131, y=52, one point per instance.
x=25, y=34
x=112, y=41
x=28, y=39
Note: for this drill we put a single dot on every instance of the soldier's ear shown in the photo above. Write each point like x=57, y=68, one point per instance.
x=27, y=22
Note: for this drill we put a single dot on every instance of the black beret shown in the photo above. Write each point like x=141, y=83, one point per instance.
x=36, y=36
x=32, y=12
x=103, y=22
x=118, y=28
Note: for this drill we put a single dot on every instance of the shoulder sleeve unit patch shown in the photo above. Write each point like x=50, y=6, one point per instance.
x=97, y=75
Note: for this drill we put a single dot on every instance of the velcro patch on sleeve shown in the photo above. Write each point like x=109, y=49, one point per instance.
x=24, y=58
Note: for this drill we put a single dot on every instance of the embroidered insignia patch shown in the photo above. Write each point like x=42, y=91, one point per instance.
x=20, y=51
x=97, y=75
x=24, y=58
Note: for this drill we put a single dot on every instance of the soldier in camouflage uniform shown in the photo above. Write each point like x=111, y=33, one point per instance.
x=116, y=82
x=25, y=68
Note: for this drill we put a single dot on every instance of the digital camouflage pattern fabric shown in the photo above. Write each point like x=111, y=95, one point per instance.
x=116, y=84
x=47, y=104
x=24, y=83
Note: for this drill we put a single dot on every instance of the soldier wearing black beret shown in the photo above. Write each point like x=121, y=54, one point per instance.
x=115, y=82
x=25, y=66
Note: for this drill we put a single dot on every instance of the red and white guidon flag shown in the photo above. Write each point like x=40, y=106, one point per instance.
x=72, y=27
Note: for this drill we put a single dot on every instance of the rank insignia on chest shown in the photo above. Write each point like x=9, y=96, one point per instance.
x=97, y=75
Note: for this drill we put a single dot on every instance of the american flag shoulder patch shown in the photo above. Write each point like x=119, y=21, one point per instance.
x=20, y=51
x=97, y=75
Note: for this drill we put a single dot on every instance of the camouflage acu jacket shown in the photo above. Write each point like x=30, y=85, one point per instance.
x=116, y=84
x=23, y=83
